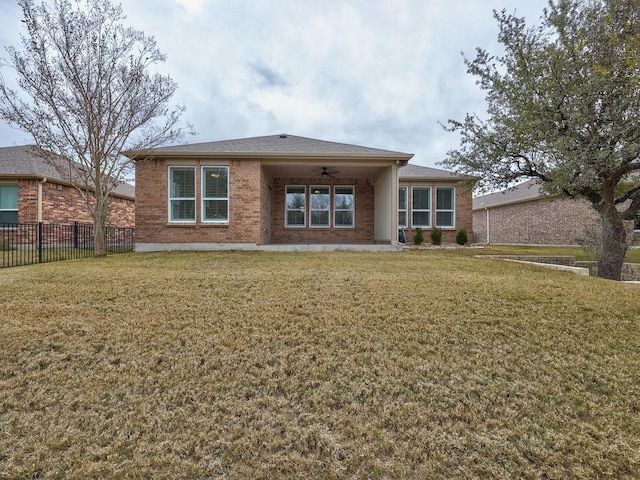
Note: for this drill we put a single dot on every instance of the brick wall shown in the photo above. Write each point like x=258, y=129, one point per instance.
x=122, y=212
x=27, y=201
x=64, y=204
x=245, y=217
x=257, y=208
x=546, y=221
x=463, y=215
x=363, y=232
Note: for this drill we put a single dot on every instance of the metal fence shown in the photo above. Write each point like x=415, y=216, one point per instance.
x=28, y=243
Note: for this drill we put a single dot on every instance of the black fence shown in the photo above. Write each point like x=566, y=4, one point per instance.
x=28, y=243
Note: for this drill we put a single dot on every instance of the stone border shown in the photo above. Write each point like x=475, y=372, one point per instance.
x=567, y=263
x=553, y=266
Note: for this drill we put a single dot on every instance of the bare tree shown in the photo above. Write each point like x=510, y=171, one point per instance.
x=86, y=94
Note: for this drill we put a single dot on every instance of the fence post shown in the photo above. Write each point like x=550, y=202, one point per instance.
x=75, y=234
x=40, y=242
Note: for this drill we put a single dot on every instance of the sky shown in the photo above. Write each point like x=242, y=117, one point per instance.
x=378, y=73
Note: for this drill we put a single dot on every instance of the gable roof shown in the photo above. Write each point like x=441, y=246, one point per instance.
x=418, y=172
x=282, y=145
x=524, y=192
x=20, y=162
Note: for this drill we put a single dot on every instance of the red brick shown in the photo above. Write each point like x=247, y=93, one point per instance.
x=63, y=204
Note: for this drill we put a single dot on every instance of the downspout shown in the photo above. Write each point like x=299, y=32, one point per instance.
x=488, y=223
x=42, y=181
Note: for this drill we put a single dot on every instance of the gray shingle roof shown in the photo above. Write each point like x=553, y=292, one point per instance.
x=526, y=191
x=418, y=172
x=21, y=162
x=272, y=145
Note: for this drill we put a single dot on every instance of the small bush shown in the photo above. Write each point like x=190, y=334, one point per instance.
x=436, y=236
x=461, y=237
x=418, y=237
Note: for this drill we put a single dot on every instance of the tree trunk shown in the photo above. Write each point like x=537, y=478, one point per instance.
x=99, y=223
x=614, y=244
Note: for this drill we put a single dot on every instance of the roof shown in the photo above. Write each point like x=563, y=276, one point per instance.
x=282, y=145
x=21, y=162
x=417, y=172
x=523, y=192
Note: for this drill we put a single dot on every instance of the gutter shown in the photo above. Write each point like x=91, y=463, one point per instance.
x=290, y=156
x=488, y=223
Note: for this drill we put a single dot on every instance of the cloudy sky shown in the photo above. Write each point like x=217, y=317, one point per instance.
x=378, y=73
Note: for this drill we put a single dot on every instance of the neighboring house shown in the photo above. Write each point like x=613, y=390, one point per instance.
x=284, y=189
x=525, y=215
x=31, y=190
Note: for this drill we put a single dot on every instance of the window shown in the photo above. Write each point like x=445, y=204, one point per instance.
x=215, y=194
x=319, y=203
x=8, y=203
x=295, y=206
x=421, y=207
x=343, y=206
x=182, y=194
x=321, y=207
x=402, y=207
x=445, y=207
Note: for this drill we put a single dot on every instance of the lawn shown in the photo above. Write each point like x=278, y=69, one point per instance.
x=420, y=364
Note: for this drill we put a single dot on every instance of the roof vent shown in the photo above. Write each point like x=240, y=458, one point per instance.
x=283, y=135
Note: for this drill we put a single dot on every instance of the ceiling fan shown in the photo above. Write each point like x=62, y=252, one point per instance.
x=326, y=173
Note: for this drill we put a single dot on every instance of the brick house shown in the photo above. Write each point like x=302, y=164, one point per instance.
x=32, y=191
x=264, y=192
x=525, y=215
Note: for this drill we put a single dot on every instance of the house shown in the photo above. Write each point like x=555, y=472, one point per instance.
x=526, y=215
x=31, y=190
x=265, y=192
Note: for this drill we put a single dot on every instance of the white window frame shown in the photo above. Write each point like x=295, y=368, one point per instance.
x=451, y=210
x=304, y=208
x=204, y=198
x=352, y=209
x=406, y=204
x=327, y=210
x=172, y=199
x=421, y=210
x=17, y=201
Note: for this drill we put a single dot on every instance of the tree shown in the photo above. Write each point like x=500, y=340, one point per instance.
x=87, y=95
x=563, y=107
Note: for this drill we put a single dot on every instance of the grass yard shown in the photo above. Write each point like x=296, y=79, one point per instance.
x=420, y=364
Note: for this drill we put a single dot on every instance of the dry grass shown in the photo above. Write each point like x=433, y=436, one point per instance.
x=424, y=364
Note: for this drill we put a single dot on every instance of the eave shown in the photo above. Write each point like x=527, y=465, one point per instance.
x=270, y=156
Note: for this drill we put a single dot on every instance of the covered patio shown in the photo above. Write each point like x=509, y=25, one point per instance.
x=325, y=201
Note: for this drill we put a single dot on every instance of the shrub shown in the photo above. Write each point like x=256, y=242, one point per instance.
x=418, y=237
x=461, y=237
x=436, y=236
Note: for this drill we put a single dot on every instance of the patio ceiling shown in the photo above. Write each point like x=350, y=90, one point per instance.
x=337, y=171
